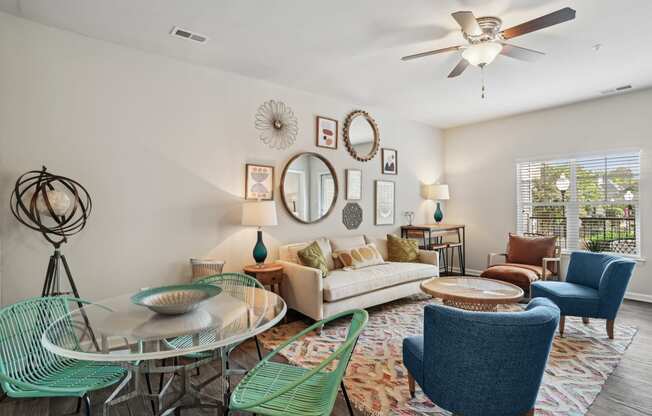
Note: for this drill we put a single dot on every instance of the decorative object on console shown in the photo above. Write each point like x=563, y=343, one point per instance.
x=312, y=256
x=277, y=124
x=259, y=214
x=205, y=267
x=353, y=184
x=327, y=132
x=389, y=159
x=309, y=187
x=352, y=216
x=409, y=215
x=361, y=135
x=436, y=192
x=259, y=182
x=385, y=202
x=402, y=250
x=57, y=207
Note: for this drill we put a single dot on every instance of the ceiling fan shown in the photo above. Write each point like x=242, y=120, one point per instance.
x=487, y=41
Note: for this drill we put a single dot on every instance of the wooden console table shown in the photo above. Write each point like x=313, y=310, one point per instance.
x=433, y=233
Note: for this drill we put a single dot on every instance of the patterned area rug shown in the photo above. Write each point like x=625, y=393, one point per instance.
x=376, y=380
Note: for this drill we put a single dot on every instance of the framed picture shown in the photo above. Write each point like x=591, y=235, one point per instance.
x=259, y=182
x=385, y=202
x=353, y=184
x=389, y=160
x=327, y=132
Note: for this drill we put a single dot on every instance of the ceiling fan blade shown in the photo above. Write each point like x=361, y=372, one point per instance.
x=523, y=54
x=459, y=68
x=436, y=51
x=468, y=23
x=560, y=16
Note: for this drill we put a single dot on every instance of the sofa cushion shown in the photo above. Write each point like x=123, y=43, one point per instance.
x=342, y=284
x=530, y=250
x=360, y=257
x=381, y=245
x=572, y=299
x=511, y=273
x=289, y=252
x=345, y=243
x=312, y=256
x=402, y=249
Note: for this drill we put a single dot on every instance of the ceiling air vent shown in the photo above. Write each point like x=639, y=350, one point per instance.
x=188, y=35
x=616, y=90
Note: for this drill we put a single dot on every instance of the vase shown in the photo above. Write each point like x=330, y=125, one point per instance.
x=439, y=215
x=260, y=251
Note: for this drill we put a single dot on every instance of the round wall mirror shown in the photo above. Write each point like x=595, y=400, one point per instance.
x=309, y=187
x=361, y=135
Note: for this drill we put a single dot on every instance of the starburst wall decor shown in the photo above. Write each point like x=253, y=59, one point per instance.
x=277, y=124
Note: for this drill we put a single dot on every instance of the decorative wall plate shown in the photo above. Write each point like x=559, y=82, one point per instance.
x=277, y=124
x=352, y=215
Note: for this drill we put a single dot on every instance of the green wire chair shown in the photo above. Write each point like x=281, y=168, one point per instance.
x=28, y=370
x=277, y=389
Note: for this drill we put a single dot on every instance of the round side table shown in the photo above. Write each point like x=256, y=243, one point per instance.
x=268, y=274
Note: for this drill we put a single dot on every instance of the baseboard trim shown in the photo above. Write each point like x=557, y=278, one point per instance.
x=641, y=297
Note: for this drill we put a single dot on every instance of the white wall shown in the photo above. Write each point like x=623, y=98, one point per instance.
x=480, y=166
x=161, y=145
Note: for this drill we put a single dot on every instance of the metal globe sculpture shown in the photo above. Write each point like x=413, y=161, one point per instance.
x=57, y=207
x=54, y=205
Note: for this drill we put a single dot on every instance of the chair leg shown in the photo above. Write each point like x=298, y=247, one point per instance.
x=562, y=323
x=260, y=356
x=585, y=321
x=79, y=403
x=530, y=412
x=411, y=385
x=87, y=404
x=346, y=398
x=610, y=328
x=149, y=390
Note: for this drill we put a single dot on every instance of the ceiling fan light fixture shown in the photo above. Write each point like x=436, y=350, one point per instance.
x=480, y=54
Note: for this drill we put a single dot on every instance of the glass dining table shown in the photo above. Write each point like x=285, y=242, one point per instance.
x=118, y=330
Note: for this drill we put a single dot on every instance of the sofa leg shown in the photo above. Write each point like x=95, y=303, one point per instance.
x=411, y=385
x=585, y=320
x=562, y=323
x=610, y=328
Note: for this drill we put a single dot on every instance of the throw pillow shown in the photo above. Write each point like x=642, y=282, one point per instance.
x=530, y=250
x=312, y=256
x=402, y=250
x=357, y=258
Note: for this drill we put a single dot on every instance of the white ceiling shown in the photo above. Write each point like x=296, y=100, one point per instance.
x=351, y=49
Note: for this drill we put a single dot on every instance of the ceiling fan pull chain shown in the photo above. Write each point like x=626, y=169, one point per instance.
x=484, y=90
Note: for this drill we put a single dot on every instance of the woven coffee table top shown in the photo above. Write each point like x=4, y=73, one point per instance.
x=472, y=290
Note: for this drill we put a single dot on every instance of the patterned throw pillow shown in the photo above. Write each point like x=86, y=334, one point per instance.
x=312, y=256
x=359, y=257
x=402, y=249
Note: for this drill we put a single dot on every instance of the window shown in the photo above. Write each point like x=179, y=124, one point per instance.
x=327, y=193
x=589, y=203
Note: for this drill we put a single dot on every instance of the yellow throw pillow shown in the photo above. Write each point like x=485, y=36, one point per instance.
x=402, y=249
x=312, y=256
x=359, y=257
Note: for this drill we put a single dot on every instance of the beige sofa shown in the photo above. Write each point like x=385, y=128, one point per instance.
x=305, y=290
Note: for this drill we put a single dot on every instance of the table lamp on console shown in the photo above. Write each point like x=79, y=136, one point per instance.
x=259, y=214
x=437, y=192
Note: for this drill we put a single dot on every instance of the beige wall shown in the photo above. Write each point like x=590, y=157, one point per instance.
x=480, y=166
x=161, y=145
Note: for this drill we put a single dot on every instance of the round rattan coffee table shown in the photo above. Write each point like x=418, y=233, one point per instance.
x=472, y=293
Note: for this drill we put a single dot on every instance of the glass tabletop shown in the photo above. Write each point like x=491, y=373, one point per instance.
x=117, y=329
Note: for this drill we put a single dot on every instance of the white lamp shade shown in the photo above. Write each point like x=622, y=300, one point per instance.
x=482, y=53
x=436, y=192
x=259, y=214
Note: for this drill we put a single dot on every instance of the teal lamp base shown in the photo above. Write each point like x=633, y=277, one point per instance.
x=439, y=215
x=260, y=251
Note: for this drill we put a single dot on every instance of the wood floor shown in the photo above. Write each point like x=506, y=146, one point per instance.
x=628, y=391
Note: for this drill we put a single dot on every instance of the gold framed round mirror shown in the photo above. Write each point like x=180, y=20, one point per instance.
x=361, y=135
x=309, y=187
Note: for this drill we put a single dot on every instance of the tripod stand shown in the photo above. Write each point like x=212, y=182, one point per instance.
x=51, y=286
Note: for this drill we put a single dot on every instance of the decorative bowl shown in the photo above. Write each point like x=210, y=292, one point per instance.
x=176, y=299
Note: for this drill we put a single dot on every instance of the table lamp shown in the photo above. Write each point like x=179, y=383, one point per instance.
x=259, y=214
x=437, y=192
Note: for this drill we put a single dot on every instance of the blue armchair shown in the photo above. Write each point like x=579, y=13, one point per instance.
x=479, y=363
x=595, y=286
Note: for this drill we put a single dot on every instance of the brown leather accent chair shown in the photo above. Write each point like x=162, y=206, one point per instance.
x=528, y=258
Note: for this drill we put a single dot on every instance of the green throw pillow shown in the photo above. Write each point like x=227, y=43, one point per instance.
x=312, y=256
x=402, y=250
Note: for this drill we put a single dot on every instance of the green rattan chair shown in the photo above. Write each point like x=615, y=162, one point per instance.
x=28, y=370
x=277, y=389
